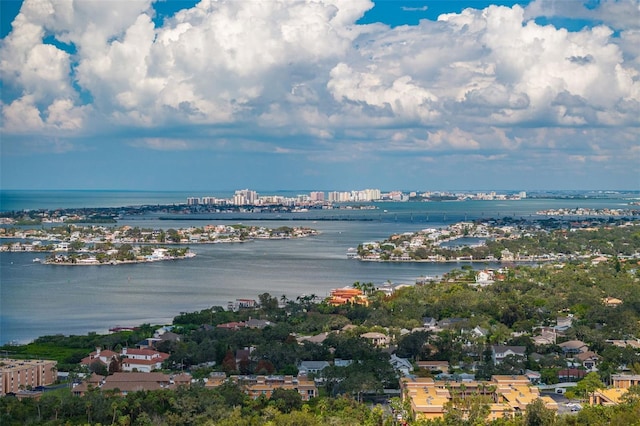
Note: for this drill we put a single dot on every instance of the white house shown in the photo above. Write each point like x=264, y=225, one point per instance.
x=500, y=352
x=142, y=360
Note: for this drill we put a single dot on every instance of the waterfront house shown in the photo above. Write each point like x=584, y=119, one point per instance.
x=484, y=277
x=347, y=295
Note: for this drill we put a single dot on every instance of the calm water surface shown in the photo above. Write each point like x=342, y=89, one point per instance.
x=38, y=299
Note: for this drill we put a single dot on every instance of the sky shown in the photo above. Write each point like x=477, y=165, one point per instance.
x=320, y=95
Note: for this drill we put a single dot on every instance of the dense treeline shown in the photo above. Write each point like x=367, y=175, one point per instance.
x=69, y=350
x=227, y=405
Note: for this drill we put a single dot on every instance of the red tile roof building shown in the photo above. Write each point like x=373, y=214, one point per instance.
x=341, y=296
x=142, y=360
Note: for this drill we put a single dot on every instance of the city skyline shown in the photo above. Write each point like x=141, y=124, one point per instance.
x=186, y=95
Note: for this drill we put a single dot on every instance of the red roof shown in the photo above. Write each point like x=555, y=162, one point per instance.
x=93, y=357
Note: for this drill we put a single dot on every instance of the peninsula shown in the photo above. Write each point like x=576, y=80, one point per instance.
x=508, y=241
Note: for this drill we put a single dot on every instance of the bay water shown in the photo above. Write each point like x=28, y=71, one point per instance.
x=37, y=299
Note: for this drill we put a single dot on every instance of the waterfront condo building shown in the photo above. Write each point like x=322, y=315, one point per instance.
x=316, y=196
x=18, y=374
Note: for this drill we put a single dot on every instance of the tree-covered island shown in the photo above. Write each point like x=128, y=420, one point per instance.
x=97, y=244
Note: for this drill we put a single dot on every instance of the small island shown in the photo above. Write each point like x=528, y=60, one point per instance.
x=102, y=245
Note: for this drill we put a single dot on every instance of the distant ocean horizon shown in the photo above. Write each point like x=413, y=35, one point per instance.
x=34, y=199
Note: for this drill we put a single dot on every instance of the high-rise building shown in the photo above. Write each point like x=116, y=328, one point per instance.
x=245, y=196
x=316, y=196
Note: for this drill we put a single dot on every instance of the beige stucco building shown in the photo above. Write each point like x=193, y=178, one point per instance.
x=19, y=374
x=505, y=395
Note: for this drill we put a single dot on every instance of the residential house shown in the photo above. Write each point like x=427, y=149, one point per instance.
x=403, y=365
x=157, y=339
x=572, y=347
x=257, y=323
x=233, y=325
x=311, y=367
x=376, y=339
x=634, y=343
x=500, y=352
x=507, y=256
x=479, y=332
x=533, y=376
x=318, y=338
x=242, y=304
x=612, y=302
x=429, y=323
x=564, y=323
x=484, y=277
x=599, y=259
x=588, y=359
x=142, y=360
x=547, y=336
x=442, y=366
x=104, y=357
